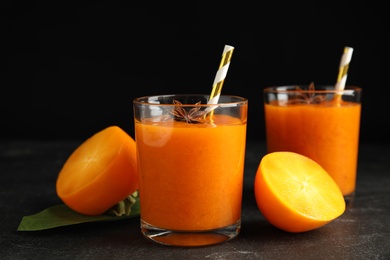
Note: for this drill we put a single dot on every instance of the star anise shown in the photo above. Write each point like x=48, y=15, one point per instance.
x=191, y=115
x=308, y=96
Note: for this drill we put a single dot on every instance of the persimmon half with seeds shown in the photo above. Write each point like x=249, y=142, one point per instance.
x=101, y=172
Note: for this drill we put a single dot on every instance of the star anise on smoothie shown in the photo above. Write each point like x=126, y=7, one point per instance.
x=190, y=115
x=308, y=97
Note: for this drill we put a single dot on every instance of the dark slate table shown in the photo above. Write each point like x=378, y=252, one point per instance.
x=28, y=171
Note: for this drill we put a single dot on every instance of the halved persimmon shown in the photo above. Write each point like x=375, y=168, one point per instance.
x=101, y=172
x=295, y=194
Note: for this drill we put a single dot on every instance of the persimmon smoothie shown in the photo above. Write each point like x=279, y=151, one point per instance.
x=325, y=131
x=191, y=173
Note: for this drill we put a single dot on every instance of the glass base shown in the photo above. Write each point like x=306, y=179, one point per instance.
x=190, y=238
x=349, y=199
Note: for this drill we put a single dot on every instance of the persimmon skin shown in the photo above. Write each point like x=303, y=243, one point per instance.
x=101, y=172
x=277, y=204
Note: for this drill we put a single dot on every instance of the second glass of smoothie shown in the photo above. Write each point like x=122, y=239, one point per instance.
x=320, y=123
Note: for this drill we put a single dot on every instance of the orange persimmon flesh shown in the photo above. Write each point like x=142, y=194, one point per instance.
x=101, y=172
x=295, y=194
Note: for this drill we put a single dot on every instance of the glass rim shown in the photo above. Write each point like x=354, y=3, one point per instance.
x=148, y=100
x=320, y=88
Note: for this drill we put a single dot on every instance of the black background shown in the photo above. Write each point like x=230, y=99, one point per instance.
x=71, y=69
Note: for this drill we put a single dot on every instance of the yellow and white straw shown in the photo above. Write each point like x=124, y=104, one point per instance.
x=221, y=74
x=343, y=68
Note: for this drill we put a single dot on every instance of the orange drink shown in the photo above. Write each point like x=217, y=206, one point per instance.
x=320, y=124
x=191, y=163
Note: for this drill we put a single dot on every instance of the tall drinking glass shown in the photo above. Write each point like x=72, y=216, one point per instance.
x=191, y=164
x=318, y=122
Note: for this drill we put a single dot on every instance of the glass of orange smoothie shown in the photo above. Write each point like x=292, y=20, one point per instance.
x=318, y=122
x=191, y=166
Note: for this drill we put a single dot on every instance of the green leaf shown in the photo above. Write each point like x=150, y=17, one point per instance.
x=62, y=215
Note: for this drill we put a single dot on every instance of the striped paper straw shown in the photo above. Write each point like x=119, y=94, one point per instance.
x=221, y=74
x=343, y=69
